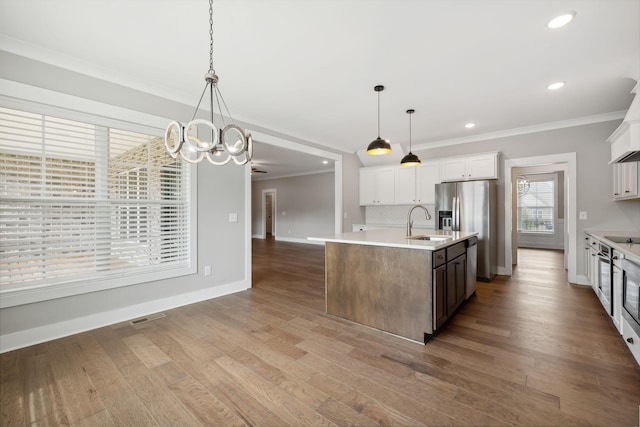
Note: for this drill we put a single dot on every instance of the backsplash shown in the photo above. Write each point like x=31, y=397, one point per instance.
x=397, y=215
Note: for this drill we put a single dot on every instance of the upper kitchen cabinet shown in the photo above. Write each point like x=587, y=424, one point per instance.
x=377, y=186
x=470, y=168
x=625, y=140
x=428, y=175
x=416, y=184
x=626, y=181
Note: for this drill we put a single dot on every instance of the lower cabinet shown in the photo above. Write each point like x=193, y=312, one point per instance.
x=449, y=282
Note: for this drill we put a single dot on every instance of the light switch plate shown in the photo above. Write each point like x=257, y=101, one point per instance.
x=583, y=215
x=233, y=217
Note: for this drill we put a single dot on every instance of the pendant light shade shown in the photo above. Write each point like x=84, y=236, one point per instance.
x=410, y=159
x=379, y=145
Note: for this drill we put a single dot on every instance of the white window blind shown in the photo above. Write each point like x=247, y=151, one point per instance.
x=536, y=204
x=81, y=202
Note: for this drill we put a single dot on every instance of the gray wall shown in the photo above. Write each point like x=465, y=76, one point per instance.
x=594, y=175
x=304, y=206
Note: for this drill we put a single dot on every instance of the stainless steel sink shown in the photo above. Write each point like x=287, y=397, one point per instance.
x=432, y=238
x=622, y=239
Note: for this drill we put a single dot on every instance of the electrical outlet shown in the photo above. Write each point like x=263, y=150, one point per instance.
x=207, y=270
x=583, y=215
x=233, y=217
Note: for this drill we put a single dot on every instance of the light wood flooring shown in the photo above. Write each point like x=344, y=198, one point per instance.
x=528, y=350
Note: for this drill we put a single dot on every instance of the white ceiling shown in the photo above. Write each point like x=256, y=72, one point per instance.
x=307, y=68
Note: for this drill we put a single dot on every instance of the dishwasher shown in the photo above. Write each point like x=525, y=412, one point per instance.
x=472, y=265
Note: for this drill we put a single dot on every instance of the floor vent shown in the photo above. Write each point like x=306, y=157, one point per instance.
x=146, y=319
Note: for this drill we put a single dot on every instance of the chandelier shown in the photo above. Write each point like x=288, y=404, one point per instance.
x=523, y=185
x=201, y=138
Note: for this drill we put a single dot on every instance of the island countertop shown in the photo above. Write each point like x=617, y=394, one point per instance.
x=397, y=238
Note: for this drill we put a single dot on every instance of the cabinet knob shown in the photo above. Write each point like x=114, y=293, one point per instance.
x=630, y=340
x=627, y=191
x=616, y=194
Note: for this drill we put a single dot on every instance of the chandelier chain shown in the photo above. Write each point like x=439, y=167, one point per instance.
x=211, y=37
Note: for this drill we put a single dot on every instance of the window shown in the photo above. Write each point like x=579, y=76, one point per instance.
x=81, y=203
x=536, y=204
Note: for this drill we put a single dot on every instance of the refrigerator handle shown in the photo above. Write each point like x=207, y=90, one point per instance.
x=455, y=214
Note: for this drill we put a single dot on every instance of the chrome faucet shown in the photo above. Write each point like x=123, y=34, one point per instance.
x=410, y=221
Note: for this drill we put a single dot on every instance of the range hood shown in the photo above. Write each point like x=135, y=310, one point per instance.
x=625, y=140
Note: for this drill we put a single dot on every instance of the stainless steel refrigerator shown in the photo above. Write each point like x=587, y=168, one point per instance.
x=471, y=206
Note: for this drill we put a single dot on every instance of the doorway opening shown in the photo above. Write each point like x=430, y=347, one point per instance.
x=565, y=162
x=539, y=202
x=268, y=217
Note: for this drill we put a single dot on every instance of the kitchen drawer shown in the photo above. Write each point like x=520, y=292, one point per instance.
x=456, y=250
x=439, y=258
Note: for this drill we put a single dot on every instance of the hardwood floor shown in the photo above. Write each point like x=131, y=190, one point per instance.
x=527, y=350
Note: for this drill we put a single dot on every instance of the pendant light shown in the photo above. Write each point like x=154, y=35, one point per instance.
x=201, y=138
x=410, y=159
x=379, y=145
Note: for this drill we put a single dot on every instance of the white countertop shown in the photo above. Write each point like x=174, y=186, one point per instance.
x=630, y=251
x=397, y=238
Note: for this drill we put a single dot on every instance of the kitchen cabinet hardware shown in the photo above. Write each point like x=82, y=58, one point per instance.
x=630, y=340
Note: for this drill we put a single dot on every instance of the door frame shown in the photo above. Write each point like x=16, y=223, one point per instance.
x=273, y=192
x=570, y=208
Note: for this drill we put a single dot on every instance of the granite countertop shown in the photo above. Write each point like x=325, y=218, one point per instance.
x=397, y=238
x=631, y=251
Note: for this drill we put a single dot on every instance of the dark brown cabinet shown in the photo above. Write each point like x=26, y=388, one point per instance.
x=449, y=282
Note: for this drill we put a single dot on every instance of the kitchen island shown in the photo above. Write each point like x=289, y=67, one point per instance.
x=405, y=286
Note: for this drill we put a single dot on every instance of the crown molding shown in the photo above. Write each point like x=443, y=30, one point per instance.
x=580, y=121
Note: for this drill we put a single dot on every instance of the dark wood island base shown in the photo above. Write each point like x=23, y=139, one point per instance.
x=387, y=288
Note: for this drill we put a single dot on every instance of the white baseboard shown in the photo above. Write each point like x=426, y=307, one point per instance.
x=501, y=271
x=45, y=333
x=298, y=240
x=582, y=279
x=257, y=236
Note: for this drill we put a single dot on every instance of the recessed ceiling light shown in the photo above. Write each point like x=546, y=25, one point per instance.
x=325, y=162
x=470, y=125
x=561, y=20
x=555, y=86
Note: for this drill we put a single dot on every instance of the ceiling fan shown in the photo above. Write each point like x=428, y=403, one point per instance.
x=256, y=170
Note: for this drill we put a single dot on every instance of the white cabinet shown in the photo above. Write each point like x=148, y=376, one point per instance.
x=428, y=177
x=406, y=185
x=482, y=166
x=617, y=289
x=377, y=186
x=416, y=184
x=626, y=181
x=593, y=268
x=588, y=269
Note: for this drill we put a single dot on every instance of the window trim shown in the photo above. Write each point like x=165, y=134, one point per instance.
x=42, y=101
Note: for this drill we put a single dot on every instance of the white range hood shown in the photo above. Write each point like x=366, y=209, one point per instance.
x=625, y=140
